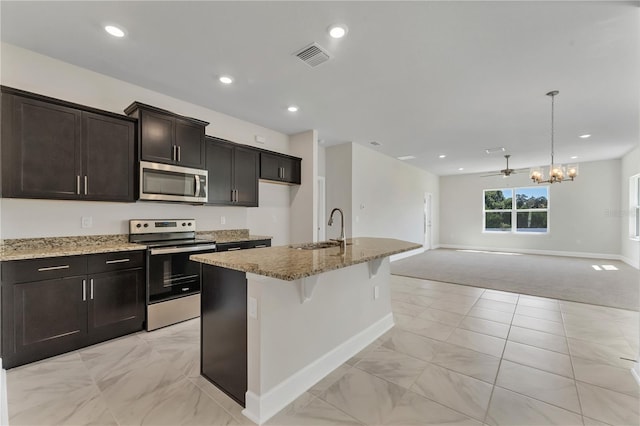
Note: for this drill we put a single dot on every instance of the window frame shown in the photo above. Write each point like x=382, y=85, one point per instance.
x=634, y=207
x=514, y=212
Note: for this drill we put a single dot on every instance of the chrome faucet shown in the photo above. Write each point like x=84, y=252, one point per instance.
x=342, y=238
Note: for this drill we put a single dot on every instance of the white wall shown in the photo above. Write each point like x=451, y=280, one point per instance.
x=580, y=213
x=338, y=187
x=303, y=216
x=381, y=196
x=388, y=197
x=630, y=249
x=27, y=70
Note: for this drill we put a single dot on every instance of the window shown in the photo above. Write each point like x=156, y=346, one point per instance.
x=634, y=207
x=526, y=212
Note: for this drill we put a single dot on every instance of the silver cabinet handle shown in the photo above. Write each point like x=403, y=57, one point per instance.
x=84, y=290
x=174, y=155
x=235, y=248
x=78, y=184
x=236, y=195
x=91, y=289
x=86, y=185
x=178, y=152
x=53, y=268
x=260, y=246
x=109, y=262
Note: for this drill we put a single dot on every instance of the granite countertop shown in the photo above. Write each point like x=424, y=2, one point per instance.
x=290, y=263
x=36, y=248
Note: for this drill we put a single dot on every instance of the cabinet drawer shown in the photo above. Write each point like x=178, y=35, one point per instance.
x=105, y=262
x=259, y=243
x=239, y=245
x=18, y=271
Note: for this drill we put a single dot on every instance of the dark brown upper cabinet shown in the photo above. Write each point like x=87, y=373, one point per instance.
x=54, y=149
x=280, y=168
x=168, y=138
x=233, y=173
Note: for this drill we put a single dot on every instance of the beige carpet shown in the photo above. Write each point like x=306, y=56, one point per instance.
x=565, y=278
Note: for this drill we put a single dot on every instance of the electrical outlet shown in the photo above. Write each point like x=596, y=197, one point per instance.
x=87, y=221
x=223, y=220
x=253, y=307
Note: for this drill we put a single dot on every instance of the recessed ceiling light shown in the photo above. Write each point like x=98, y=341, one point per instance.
x=225, y=79
x=574, y=157
x=114, y=31
x=460, y=169
x=337, y=31
x=406, y=157
x=494, y=150
x=292, y=108
x=585, y=136
x=441, y=156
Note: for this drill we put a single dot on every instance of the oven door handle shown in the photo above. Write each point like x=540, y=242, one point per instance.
x=170, y=250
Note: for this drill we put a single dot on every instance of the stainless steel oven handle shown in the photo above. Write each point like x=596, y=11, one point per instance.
x=171, y=250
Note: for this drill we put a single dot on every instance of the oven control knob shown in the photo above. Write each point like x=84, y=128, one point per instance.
x=146, y=225
x=189, y=224
x=138, y=226
x=184, y=224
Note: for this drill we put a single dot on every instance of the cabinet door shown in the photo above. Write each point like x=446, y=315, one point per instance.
x=190, y=143
x=109, y=158
x=245, y=173
x=290, y=170
x=156, y=137
x=219, y=163
x=270, y=166
x=50, y=317
x=116, y=303
x=42, y=156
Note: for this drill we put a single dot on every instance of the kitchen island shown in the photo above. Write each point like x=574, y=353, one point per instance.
x=276, y=320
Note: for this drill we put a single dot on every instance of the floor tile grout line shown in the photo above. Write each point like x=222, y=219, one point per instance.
x=495, y=380
x=102, y=395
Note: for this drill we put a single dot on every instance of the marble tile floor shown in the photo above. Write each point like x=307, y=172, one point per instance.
x=457, y=355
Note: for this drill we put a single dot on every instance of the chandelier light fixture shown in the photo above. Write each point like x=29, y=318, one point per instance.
x=557, y=172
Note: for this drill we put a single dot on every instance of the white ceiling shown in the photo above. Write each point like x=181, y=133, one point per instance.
x=422, y=78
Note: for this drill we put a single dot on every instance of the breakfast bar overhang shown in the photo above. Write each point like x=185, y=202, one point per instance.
x=276, y=320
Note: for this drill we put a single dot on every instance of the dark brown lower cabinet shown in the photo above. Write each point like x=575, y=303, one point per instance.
x=116, y=303
x=56, y=305
x=224, y=330
x=50, y=318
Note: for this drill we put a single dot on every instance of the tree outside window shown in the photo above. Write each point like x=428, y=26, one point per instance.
x=528, y=210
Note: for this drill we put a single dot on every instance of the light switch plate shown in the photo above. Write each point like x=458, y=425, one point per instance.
x=376, y=292
x=223, y=220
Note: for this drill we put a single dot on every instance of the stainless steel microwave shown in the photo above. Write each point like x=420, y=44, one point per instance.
x=166, y=182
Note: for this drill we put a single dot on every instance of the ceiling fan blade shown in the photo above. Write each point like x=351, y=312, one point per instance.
x=494, y=174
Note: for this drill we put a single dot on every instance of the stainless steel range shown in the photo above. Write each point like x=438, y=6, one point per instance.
x=173, y=281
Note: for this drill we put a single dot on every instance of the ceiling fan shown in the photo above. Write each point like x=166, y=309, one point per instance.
x=506, y=172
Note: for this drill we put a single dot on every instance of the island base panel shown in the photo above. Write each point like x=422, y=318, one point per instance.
x=224, y=330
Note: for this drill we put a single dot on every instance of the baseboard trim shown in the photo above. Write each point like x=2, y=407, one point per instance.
x=406, y=254
x=633, y=263
x=260, y=408
x=540, y=252
x=4, y=407
x=635, y=372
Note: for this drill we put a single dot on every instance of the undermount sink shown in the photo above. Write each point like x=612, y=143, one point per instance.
x=318, y=245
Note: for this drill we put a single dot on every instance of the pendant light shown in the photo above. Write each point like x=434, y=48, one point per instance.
x=557, y=172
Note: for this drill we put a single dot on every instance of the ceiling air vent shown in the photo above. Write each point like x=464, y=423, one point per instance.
x=313, y=55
